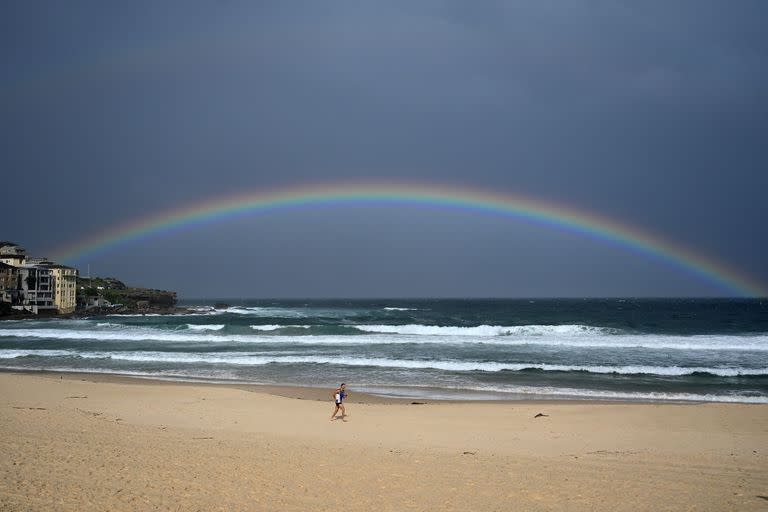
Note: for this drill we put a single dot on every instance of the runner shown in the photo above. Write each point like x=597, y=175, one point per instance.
x=338, y=397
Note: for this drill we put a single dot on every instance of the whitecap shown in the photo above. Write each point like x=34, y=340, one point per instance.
x=205, y=327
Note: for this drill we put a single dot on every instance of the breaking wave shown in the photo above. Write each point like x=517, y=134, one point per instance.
x=377, y=335
x=489, y=330
x=205, y=327
x=247, y=358
x=275, y=327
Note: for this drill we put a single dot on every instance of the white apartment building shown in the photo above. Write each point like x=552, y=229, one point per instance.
x=12, y=254
x=36, y=289
x=40, y=285
x=64, y=287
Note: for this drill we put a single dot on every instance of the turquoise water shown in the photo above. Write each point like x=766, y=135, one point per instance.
x=681, y=349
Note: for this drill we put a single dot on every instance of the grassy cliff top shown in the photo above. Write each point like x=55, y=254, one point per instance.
x=108, y=283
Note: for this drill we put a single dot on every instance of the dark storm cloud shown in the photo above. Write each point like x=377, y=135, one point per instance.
x=651, y=113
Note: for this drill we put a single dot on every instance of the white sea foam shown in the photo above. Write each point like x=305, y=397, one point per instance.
x=488, y=330
x=754, y=343
x=205, y=327
x=269, y=327
x=242, y=310
x=13, y=354
x=652, y=396
x=515, y=392
x=202, y=309
x=494, y=392
x=271, y=312
x=274, y=327
x=401, y=309
x=247, y=358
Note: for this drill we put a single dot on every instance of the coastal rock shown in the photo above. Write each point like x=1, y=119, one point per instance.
x=120, y=298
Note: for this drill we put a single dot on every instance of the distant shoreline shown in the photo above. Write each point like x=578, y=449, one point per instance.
x=286, y=391
x=322, y=394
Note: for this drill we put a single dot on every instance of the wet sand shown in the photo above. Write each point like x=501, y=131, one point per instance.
x=75, y=442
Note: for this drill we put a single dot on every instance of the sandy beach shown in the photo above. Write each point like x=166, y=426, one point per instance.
x=76, y=442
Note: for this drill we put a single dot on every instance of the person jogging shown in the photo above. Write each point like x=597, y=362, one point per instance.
x=338, y=397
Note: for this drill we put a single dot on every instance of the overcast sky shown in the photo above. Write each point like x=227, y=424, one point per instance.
x=651, y=113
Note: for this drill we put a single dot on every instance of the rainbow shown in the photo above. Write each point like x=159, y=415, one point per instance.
x=439, y=196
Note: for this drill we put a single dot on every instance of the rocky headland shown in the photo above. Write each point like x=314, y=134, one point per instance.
x=110, y=295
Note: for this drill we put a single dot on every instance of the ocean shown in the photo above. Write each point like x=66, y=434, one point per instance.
x=494, y=349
